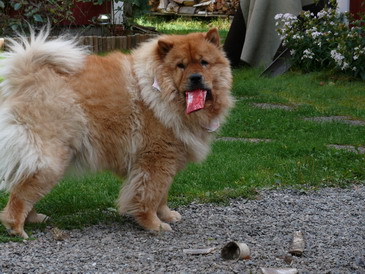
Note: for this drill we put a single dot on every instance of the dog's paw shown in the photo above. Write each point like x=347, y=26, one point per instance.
x=171, y=217
x=168, y=215
x=36, y=218
x=12, y=229
x=165, y=227
x=18, y=232
x=161, y=227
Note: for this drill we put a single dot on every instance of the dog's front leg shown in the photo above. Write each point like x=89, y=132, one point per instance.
x=144, y=196
x=165, y=213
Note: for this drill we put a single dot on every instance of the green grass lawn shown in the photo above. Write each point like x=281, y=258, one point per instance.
x=297, y=155
x=186, y=25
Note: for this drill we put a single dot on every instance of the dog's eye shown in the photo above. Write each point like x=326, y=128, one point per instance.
x=181, y=65
x=204, y=63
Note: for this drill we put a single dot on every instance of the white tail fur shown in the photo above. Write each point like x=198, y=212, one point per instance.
x=20, y=153
x=19, y=158
x=26, y=56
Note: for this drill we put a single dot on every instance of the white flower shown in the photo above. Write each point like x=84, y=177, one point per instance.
x=321, y=14
x=356, y=57
x=306, y=14
x=287, y=24
x=338, y=57
x=345, y=66
x=289, y=16
x=307, y=51
x=292, y=52
x=307, y=54
x=278, y=16
x=315, y=34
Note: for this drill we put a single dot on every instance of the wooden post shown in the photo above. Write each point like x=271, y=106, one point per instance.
x=124, y=43
x=117, y=43
x=95, y=44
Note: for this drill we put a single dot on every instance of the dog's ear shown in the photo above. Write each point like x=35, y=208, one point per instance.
x=213, y=36
x=164, y=47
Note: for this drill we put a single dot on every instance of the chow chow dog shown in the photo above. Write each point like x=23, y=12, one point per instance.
x=143, y=116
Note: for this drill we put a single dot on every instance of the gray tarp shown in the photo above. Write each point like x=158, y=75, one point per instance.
x=262, y=40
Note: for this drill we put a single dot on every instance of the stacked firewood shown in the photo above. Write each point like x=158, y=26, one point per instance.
x=223, y=7
x=228, y=7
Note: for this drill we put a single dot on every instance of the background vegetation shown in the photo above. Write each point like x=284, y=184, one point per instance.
x=327, y=40
x=16, y=15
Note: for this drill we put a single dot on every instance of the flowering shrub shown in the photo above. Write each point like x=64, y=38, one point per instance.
x=325, y=40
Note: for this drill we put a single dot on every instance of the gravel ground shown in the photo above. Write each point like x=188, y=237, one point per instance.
x=332, y=220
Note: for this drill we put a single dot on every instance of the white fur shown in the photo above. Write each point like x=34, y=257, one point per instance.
x=19, y=157
x=26, y=56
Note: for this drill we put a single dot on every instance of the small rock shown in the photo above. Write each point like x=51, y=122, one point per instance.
x=265, y=270
x=58, y=234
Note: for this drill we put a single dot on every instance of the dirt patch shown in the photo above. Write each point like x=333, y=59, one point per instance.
x=247, y=140
x=273, y=106
x=344, y=119
x=357, y=150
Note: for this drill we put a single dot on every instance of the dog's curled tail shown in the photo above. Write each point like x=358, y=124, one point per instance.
x=26, y=55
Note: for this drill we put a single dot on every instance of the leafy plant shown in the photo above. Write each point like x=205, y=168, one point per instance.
x=17, y=14
x=325, y=40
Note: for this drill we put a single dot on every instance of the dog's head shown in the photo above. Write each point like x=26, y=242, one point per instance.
x=195, y=68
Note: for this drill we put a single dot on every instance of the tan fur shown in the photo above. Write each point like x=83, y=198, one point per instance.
x=109, y=117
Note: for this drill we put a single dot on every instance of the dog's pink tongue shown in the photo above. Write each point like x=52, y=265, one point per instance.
x=195, y=100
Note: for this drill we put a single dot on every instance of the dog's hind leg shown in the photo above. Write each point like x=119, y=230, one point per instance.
x=21, y=201
x=23, y=196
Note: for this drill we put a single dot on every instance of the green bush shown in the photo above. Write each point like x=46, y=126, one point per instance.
x=324, y=41
x=16, y=15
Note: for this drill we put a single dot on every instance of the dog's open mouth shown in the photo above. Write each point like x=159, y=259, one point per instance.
x=195, y=99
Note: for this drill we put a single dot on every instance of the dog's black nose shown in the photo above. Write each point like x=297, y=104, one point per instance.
x=195, y=78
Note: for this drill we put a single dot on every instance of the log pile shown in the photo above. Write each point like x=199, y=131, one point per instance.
x=207, y=7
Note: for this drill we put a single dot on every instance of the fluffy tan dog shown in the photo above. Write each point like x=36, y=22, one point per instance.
x=143, y=116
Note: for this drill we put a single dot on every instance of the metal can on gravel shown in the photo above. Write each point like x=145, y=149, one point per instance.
x=235, y=251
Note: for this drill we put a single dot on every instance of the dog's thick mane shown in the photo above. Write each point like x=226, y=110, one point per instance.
x=162, y=106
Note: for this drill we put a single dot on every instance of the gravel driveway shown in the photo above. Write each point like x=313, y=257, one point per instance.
x=332, y=220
